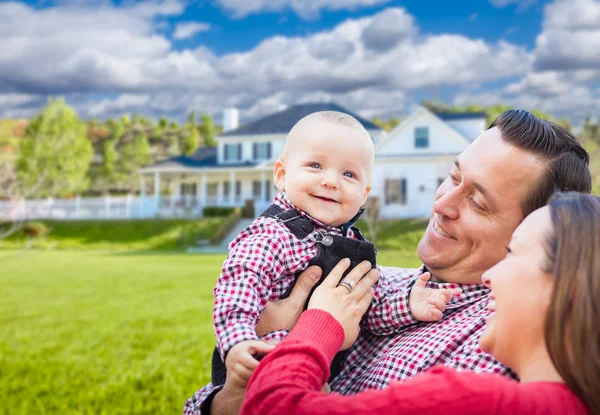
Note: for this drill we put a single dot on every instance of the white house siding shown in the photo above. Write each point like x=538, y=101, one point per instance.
x=421, y=176
x=442, y=138
x=469, y=128
x=247, y=143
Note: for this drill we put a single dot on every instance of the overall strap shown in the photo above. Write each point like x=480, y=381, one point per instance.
x=299, y=225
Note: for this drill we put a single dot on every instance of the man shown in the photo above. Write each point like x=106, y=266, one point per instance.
x=509, y=171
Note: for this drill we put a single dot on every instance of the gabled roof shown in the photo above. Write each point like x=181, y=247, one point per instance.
x=455, y=116
x=282, y=122
x=421, y=110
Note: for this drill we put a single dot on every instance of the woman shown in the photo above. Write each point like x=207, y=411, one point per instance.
x=544, y=295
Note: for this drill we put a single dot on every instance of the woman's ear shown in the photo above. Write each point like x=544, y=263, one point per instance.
x=279, y=174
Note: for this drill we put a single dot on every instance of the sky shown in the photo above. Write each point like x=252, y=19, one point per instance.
x=374, y=57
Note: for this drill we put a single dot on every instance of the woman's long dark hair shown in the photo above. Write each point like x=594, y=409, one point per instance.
x=572, y=327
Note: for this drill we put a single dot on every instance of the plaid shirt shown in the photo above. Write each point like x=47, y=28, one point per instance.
x=405, y=347
x=374, y=361
x=262, y=264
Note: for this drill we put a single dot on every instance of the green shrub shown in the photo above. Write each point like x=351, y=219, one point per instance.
x=248, y=211
x=35, y=229
x=216, y=211
x=226, y=226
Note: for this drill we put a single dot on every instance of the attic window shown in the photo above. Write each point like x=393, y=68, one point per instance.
x=262, y=151
x=422, y=137
x=233, y=152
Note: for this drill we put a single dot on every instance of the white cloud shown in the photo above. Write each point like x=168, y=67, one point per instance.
x=189, y=29
x=473, y=16
x=122, y=104
x=570, y=38
x=387, y=29
x=542, y=84
x=305, y=9
x=371, y=65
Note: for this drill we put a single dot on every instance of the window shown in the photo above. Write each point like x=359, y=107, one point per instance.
x=268, y=190
x=256, y=189
x=395, y=192
x=188, y=189
x=233, y=152
x=211, y=190
x=238, y=189
x=226, y=189
x=261, y=151
x=422, y=137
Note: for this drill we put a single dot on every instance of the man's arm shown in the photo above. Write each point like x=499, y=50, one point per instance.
x=277, y=315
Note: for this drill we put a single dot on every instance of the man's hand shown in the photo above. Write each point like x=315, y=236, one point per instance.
x=429, y=304
x=241, y=360
x=283, y=314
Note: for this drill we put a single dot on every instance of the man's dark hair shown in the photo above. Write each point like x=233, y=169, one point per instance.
x=567, y=162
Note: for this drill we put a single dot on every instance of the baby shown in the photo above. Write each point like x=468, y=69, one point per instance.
x=324, y=175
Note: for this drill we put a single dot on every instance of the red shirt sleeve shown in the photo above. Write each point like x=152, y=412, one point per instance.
x=289, y=379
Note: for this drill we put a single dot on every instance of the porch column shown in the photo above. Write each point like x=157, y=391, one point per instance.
x=203, y=191
x=263, y=187
x=142, y=185
x=156, y=191
x=232, y=188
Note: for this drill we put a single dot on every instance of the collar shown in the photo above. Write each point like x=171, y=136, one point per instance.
x=284, y=202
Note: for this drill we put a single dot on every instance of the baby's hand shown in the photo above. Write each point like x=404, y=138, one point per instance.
x=429, y=304
x=241, y=361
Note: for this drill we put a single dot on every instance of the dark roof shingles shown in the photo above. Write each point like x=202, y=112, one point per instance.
x=282, y=122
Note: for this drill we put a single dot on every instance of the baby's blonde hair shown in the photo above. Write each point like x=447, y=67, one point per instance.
x=333, y=117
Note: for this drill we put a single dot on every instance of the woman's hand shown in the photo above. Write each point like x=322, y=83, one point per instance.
x=346, y=300
x=283, y=314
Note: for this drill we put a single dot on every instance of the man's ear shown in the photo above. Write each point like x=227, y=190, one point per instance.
x=366, y=195
x=279, y=174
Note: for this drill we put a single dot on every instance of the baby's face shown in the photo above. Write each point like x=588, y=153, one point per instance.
x=326, y=171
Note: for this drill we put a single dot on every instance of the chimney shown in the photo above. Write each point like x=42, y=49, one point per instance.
x=231, y=118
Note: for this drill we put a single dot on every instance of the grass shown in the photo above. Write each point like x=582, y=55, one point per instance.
x=149, y=234
x=101, y=332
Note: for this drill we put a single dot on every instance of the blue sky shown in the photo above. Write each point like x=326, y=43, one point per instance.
x=376, y=57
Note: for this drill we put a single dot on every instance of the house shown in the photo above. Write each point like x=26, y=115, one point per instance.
x=410, y=162
x=416, y=157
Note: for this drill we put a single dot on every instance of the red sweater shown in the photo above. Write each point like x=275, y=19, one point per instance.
x=289, y=379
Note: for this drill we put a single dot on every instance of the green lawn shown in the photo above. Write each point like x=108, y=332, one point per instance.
x=100, y=332
x=148, y=234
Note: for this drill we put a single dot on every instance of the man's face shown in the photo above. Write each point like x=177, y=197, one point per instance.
x=477, y=208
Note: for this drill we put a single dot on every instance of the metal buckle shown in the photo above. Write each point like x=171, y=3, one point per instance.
x=276, y=216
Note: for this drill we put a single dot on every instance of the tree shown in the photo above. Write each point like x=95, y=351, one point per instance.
x=109, y=155
x=191, y=140
x=56, y=150
x=163, y=123
x=207, y=129
x=192, y=118
x=118, y=130
x=388, y=125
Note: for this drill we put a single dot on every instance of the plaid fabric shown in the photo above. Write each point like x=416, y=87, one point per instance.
x=374, y=361
x=262, y=264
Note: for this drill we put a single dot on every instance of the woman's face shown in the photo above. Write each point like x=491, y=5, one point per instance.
x=520, y=293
